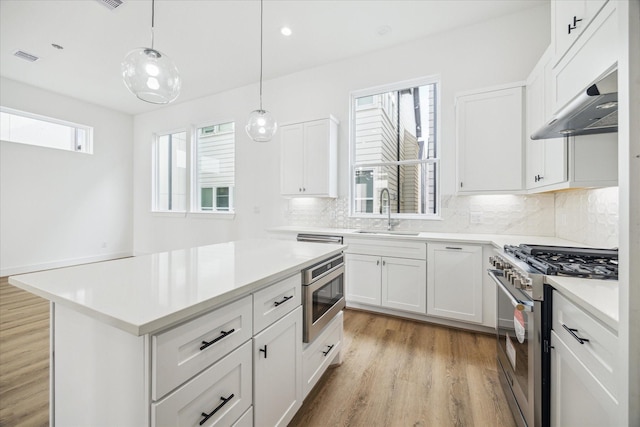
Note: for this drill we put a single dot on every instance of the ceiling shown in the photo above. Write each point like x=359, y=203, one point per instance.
x=214, y=43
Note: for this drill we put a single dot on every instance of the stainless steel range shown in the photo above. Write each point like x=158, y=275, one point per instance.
x=524, y=317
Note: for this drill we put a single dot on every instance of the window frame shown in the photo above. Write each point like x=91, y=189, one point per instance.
x=155, y=202
x=436, y=161
x=88, y=148
x=195, y=197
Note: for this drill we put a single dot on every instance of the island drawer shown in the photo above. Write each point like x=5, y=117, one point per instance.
x=597, y=351
x=273, y=302
x=180, y=353
x=221, y=394
x=320, y=353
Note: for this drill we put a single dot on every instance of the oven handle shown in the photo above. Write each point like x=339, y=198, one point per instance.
x=327, y=278
x=520, y=305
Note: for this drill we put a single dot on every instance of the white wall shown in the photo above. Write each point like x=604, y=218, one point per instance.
x=59, y=207
x=495, y=52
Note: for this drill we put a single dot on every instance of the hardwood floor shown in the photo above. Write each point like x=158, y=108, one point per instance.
x=398, y=372
x=395, y=373
x=24, y=358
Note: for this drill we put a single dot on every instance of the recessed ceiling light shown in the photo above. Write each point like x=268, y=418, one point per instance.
x=26, y=56
x=286, y=31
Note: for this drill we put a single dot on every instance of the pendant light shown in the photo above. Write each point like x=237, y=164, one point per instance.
x=149, y=74
x=261, y=125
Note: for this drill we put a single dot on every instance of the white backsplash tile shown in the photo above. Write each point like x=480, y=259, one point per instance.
x=587, y=216
x=504, y=214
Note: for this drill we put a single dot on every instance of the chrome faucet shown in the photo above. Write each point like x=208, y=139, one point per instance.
x=386, y=190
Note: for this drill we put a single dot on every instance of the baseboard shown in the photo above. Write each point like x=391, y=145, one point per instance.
x=11, y=271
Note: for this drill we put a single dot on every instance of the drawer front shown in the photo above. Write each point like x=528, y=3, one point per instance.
x=185, y=350
x=393, y=248
x=246, y=420
x=598, y=353
x=223, y=392
x=271, y=303
x=319, y=355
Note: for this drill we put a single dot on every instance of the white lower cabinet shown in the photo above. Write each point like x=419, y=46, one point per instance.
x=454, y=281
x=577, y=397
x=216, y=397
x=277, y=364
x=398, y=283
x=318, y=355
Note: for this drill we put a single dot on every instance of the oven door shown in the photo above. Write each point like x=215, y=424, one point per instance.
x=516, y=337
x=322, y=301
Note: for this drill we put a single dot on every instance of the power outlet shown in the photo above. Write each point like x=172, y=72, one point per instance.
x=475, y=217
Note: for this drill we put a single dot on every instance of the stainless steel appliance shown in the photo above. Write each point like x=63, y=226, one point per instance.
x=322, y=295
x=524, y=318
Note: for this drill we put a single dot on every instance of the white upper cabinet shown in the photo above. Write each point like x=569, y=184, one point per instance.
x=593, y=54
x=308, y=153
x=489, y=137
x=569, y=18
x=546, y=159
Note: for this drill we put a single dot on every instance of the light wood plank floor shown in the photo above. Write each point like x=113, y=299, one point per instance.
x=395, y=373
x=24, y=358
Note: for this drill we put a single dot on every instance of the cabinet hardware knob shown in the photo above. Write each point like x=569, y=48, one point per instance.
x=285, y=299
x=223, y=334
x=264, y=350
x=328, y=350
x=572, y=332
x=212, y=413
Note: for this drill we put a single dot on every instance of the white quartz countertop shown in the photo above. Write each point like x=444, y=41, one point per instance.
x=598, y=297
x=148, y=293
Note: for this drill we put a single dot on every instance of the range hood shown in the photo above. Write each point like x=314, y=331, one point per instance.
x=595, y=110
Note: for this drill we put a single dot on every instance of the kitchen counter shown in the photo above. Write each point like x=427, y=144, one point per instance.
x=145, y=294
x=598, y=297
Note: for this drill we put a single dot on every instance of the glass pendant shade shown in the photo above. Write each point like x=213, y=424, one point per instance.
x=261, y=126
x=151, y=76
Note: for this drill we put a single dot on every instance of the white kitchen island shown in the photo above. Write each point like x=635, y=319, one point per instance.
x=135, y=338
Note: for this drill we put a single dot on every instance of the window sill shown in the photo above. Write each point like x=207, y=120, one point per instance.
x=195, y=215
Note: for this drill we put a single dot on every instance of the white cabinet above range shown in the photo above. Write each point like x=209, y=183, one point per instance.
x=308, y=153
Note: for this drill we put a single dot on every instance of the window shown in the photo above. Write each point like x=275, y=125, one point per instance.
x=394, y=145
x=26, y=128
x=171, y=172
x=215, y=171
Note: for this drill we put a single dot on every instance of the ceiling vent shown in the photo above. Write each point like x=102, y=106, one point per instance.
x=26, y=56
x=110, y=4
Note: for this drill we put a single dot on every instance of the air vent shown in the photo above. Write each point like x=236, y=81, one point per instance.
x=26, y=56
x=110, y=4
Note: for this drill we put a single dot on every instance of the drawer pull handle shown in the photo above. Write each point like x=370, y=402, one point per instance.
x=224, y=402
x=223, y=334
x=453, y=247
x=573, y=334
x=264, y=350
x=277, y=303
x=328, y=350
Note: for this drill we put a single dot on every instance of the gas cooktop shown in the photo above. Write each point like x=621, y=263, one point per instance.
x=591, y=263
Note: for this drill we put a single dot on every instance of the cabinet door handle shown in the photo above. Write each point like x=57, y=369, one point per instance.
x=453, y=247
x=575, y=23
x=572, y=332
x=285, y=299
x=223, y=334
x=212, y=413
x=264, y=350
x=384, y=262
x=378, y=262
x=328, y=350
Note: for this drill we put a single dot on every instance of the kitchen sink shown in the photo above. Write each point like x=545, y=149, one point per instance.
x=388, y=232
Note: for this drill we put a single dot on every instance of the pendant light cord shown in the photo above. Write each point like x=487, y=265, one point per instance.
x=153, y=16
x=261, y=18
